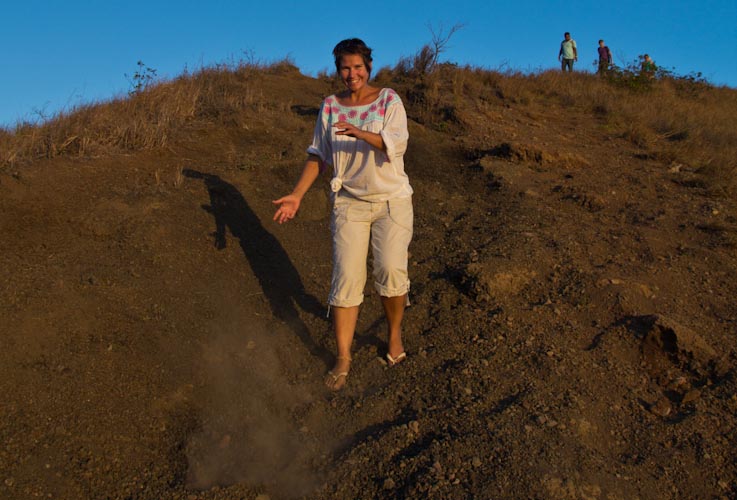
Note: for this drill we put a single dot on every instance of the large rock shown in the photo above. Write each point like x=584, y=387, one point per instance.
x=681, y=346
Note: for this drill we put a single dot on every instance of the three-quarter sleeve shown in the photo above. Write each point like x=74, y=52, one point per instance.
x=394, y=133
x=321, y=145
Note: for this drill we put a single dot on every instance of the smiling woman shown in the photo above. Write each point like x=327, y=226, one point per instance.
x=361, y=134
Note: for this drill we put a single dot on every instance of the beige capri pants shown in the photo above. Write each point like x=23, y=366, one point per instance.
x=387, y=225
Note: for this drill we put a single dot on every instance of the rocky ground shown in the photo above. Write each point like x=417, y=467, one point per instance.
x=571, y=334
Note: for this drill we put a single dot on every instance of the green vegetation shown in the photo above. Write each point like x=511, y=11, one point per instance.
x=638, y=75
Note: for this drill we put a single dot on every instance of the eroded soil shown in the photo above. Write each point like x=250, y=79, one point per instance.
x=571, y=334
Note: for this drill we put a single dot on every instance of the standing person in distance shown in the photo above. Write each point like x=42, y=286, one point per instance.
x=605, y=57
x=361, y=135
x=648, y=67
x=567, y=53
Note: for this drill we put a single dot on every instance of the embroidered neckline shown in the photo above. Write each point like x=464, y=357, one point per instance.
x=332, y=100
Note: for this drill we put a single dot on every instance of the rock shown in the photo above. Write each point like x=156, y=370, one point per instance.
x=646, y=291
x=661, y=408
x=677, y=383
x=476, y=462
x=89, y=279
x=691, y=396
x=389, y=484
x=674, y=339
x=414, y=426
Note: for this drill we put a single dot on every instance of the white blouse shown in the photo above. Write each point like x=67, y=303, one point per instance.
x=361, y=170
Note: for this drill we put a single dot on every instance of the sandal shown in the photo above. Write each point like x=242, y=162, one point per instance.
x=331, y=379
x=395, y=361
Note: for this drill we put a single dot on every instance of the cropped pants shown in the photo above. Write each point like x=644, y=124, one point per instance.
x=387, y=227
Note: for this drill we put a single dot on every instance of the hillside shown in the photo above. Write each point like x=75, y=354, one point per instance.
x=573, y=328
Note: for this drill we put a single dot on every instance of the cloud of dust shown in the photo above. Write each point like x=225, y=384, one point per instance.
x=251, y=432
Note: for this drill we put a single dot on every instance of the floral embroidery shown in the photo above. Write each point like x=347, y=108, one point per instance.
x=358, y=115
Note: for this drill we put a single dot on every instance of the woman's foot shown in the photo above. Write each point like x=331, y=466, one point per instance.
x=395, y=360
x=338, y=376
x=395, y=352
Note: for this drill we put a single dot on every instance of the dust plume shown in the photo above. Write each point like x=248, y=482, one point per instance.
x=251, y=431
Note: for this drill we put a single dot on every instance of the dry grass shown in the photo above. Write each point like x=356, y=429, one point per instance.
x=676, y=120
x=148, y=119
x=686, y=122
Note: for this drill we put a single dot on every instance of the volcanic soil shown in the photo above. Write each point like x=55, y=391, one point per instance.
x=571, y=333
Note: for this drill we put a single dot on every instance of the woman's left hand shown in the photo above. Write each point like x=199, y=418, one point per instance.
x=345, y=128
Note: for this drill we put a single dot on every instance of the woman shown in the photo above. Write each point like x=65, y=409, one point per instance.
x=361, y=133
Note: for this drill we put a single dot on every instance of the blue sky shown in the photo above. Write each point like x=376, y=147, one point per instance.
x=61, y=54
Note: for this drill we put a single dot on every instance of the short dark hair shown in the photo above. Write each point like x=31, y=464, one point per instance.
x=352, y=46
x=566, y=33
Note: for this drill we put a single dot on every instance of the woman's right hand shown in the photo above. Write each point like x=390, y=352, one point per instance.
x=288, y=207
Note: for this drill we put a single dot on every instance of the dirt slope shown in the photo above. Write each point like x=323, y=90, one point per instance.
x=572, y=332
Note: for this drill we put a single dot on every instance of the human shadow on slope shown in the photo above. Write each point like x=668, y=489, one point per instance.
x=270, y=263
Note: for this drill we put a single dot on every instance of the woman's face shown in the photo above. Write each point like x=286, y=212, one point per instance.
x=353, y=72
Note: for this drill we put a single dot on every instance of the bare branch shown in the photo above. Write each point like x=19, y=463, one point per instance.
x=440, y=40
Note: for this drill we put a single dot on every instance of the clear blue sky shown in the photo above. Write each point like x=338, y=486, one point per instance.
x=60, y=54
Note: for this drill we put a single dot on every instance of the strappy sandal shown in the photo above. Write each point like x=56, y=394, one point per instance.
x=395, y=361
x=331, y=379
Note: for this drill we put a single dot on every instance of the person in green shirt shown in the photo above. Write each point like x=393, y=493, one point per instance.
x=648, y=67
x=568, y=52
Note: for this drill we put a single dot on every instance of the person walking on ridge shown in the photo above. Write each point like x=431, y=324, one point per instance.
x=568, y=52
